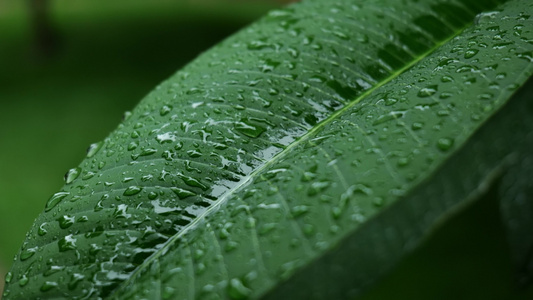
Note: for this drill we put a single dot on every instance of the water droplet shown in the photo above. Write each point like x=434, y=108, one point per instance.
x=126, y=115
x=67, y=243
x=317, y=187
x=266, y=228
x=336, y=211
x=443, y=113
x=503, y=45
x=166, y=137
x=485, y=96
x=74, y=280
x=403, y=161
x=390, y=101
x=341, y=35
x=194, y=153
x=23, y=280
x=393, y=115
x=9, y=276
x=445, y=95
x=52, y=270
x=471, y=53
x=148, y=151
x=121, y=212
x=27, y=253
x=299, y=210
x=181, y=193
x=249, y=129
x=48, y=285
x=378, y=201
x=237, y=291
x=94, y=148
x=446, y=78
x=193, y=182
x=165, y=110
x=133, y=146
x=65, y=221
x=132, y=190
x=42, y=231
x=168, y=292
x=55, y=199
x=269, y=65
x=88, y=175
x=485, y=17
x=444, y=144
x=258, y=45
x=526, y=55
x=417, y=126
x=427, y=91
x=72, y=174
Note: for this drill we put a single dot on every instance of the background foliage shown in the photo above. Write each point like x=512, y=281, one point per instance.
x=109, y=56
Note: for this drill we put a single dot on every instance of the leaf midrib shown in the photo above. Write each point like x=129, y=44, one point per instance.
x=246, y=179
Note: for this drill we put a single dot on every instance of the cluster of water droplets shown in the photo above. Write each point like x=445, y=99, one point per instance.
x=192, y=187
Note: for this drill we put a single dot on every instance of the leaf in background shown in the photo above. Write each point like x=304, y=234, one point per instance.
x=516, y=190
x=300, y=158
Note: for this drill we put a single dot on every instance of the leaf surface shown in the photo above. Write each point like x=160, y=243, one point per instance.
x=300, y=158
x=515, y=191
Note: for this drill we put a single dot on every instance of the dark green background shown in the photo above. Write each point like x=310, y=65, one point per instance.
x=110, y=54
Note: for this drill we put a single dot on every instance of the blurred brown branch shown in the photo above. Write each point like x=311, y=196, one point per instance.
x=45, y=38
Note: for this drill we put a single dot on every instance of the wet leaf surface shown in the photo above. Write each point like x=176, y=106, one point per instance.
x=300, y=158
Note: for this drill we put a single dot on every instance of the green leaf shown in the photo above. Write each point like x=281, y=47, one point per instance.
x=516, y=189
x=300, y=158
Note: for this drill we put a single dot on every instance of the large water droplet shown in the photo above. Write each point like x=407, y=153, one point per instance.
x=42, y=231
x=148, y=151
x=74, y=280
x=193, y=182
x=528, y=55
x=485, y=17
x=181, y=193
x=48, y=285
x=132, y=190
x=9, y=276
x=27, y=253
x=444, y=144
x=166, y=137
x=65, y=221
x=317, y=187
x=121, y=212
x=194, y=153
x=132, y=146
x=23, y=280
x=88, y=175
x=94, y=148
x=237, y=291
x=165, y=110
x=67, y=243
x=417, y=126
x=72, y=174
x=299, y=210
x=427, y=91
x=471, y=53
x=55, y=199
x=249, y=129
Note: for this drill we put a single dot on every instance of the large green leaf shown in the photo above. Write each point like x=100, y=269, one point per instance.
x=516, y=192
x=300, y=158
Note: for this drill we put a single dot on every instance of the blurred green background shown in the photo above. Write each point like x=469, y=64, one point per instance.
x=103, y=58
